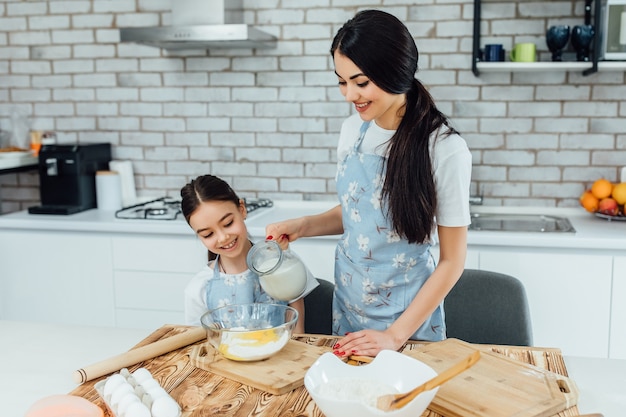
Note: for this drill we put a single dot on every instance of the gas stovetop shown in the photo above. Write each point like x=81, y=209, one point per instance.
x=168, y=208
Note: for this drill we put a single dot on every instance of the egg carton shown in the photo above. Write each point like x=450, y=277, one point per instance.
x=136, y=394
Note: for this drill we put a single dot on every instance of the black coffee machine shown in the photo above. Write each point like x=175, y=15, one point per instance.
x=67, y=176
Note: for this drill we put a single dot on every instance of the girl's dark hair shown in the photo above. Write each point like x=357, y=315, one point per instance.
x=382, y=47
x=203, y=189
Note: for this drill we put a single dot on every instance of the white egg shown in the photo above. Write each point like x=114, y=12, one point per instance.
x=126, y=400
x=137, y=410
x=111, y=383
x=152, y=394
x=148, y=384
x=156, y=392
x=141, y=374
x=165, y=407
x=120, y=392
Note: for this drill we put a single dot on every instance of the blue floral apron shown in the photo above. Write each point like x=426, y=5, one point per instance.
x=227, y=289
x=377, y=274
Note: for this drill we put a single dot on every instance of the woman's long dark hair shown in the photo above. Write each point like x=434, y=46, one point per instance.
x=382, y=47
x=203, y=189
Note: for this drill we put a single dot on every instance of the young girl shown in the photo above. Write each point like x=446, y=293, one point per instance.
x=217, y=214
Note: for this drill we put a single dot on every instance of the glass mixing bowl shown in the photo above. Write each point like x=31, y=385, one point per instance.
x=249, y=332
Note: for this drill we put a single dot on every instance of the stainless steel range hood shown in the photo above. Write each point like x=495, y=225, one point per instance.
x=199, y=37
x=202, y=24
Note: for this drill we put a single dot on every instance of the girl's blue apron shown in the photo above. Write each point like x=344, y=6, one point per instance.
x=227, y=289
x=377, y=274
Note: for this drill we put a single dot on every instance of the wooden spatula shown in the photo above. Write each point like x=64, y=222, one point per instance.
x=395, y=401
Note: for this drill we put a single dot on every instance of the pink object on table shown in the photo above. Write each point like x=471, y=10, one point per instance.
x=64, y=406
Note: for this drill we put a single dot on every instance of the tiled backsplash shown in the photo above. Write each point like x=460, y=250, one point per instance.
x=267, y=120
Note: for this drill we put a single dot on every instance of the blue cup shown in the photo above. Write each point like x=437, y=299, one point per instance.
x=494, y=53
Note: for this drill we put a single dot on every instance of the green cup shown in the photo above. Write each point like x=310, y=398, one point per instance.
x=524, y=52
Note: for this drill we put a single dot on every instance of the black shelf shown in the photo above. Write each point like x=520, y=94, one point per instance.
x=597, y=41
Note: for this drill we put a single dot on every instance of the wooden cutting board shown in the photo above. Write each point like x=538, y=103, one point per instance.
x=277, y=375
x=496, y=386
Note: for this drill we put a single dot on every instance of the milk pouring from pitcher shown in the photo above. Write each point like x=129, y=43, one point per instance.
x=281, y=273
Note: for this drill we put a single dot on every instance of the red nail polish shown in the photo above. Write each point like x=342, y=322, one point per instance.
x=270, y=237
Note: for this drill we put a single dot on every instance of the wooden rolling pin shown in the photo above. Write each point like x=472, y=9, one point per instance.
x=139, y=354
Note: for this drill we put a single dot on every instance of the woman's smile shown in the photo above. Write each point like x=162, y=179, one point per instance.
x=362, y=107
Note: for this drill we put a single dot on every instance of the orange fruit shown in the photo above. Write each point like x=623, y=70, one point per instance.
x=589, y=201
x=619, y=193
x=602, y=188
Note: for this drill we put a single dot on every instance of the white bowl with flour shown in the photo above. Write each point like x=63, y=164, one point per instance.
x=342, y=390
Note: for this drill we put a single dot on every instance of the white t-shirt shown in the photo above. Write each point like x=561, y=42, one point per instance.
x=451, y=162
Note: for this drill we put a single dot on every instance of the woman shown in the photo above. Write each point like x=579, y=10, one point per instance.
x=403, y=174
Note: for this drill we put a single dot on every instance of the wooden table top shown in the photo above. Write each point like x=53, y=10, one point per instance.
x=201, y=393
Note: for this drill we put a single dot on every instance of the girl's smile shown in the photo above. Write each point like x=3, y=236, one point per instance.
x=230, y=245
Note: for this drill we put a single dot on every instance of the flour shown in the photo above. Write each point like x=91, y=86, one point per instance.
x=252, y=345
x=365, y=391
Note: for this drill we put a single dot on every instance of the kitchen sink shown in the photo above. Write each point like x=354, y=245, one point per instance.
x=510, y=222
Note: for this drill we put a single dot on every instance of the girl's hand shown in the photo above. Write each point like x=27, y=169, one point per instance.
x=366, y=343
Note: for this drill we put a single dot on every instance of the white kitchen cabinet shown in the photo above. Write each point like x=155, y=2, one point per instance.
x=569, y=294
x=56, y=277
x=150, y=274
x=617, y=347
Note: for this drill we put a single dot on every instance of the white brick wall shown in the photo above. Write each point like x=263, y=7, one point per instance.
x=267, y=120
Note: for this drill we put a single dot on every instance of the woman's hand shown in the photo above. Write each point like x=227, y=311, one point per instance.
x=366, y=343
x=284, y=232
x=326, y=223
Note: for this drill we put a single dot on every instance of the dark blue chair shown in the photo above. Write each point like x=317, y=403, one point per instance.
x=318, y=309
x=488, y=308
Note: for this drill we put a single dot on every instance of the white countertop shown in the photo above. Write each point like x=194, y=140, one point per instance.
x=10, y=160
x=96, y=220
x=38, y=360
x=592, y=233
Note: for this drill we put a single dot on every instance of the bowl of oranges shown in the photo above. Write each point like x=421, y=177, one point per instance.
x=605, y=199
